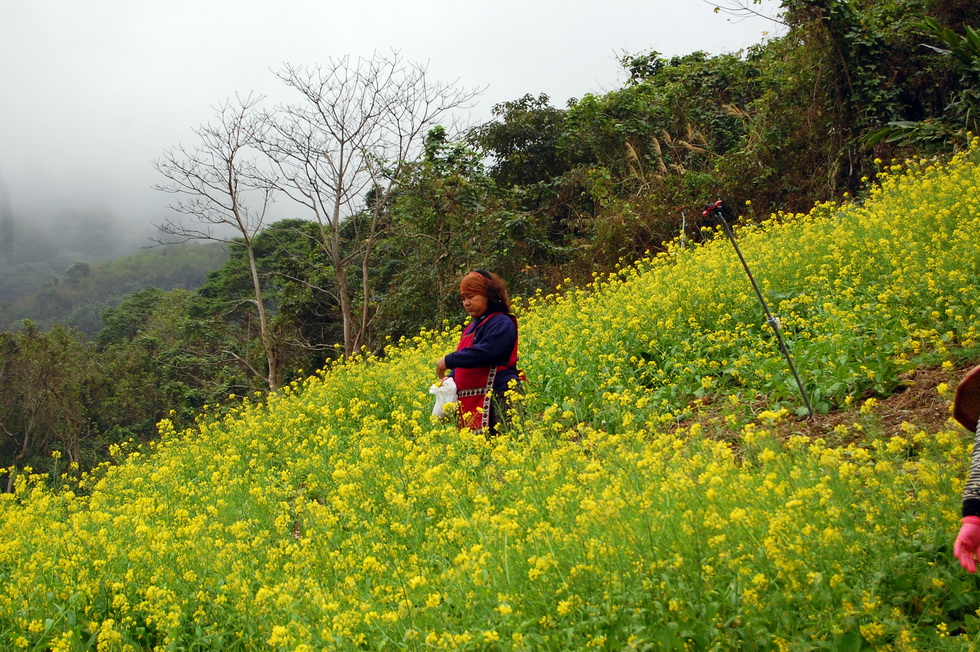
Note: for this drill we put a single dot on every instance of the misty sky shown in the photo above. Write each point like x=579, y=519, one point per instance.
x=93, y=91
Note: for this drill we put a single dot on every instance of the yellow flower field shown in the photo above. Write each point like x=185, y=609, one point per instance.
x=617, y=514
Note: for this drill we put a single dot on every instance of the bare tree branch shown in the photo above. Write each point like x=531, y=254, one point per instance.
x=357, y=126
x=741, y=10
x=219, y=184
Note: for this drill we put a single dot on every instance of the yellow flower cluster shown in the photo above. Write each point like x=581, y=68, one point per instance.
x=338, y=514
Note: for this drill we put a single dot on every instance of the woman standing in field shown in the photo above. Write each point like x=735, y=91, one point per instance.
x=484, y=365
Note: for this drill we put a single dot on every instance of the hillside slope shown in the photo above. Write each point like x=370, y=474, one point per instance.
x=659, y=494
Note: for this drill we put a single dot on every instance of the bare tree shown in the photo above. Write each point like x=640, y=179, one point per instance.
x=220, y=185
x=343, y=150
x=742, y=9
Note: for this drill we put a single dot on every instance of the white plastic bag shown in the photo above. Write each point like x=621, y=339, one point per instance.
x=445, y=393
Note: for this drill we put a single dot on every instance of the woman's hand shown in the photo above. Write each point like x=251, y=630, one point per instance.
x=967, y=543
x=441, y=368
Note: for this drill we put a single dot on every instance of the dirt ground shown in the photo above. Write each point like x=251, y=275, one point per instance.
x=917, y=402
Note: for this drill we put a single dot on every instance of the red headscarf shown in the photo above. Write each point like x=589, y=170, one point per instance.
x=473, y=283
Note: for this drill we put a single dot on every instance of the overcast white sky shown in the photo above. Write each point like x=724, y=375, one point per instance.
x=93, y=91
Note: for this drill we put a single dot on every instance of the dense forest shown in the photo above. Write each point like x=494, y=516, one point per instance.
x=539, y=193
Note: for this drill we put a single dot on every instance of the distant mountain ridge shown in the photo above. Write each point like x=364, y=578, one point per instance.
x=79, y=295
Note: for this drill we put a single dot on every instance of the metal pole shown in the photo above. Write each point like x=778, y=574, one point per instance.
x=772, y=321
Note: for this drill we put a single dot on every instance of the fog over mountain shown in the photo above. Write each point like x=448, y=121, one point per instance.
x=92, y=93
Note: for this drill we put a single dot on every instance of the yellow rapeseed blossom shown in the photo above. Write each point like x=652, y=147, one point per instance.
x=658, y=487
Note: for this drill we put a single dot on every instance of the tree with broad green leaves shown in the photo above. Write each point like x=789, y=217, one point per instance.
x=300, y=293
x=49, y=378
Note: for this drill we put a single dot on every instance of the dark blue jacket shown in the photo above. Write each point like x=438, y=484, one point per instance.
x=494, y=340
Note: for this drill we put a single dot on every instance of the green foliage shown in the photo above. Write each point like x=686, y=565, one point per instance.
x=299, y=293
x=523, y=141
x=450, y=217
x=124, y=321
x=158, y=360
x=69, y=396
x=859, y=66
x=535, y=174
x=49, y=380
x=956, y=117
x=26, y=278
x=784, y=124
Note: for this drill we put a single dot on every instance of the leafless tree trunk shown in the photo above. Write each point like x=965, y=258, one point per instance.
x=219, y=185
x=342, y=152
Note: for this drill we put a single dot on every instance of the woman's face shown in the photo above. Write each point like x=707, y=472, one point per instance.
x=474, y=304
